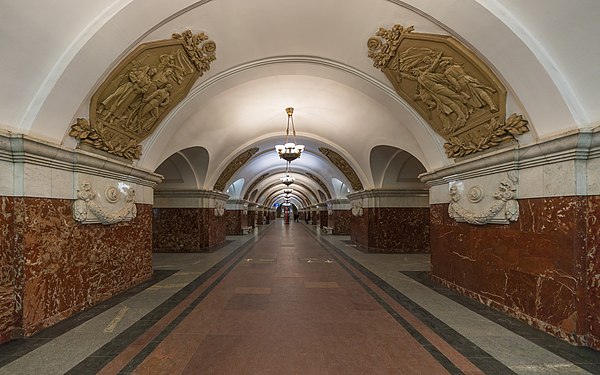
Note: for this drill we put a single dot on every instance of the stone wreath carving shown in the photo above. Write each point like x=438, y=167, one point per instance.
x=505, y=200
x=357, y=208
x=141, y=91
x=87, y=208
x=219, y=208
x=452, y=88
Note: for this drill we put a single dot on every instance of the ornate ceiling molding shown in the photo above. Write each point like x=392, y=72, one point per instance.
x=141, y=91
x=321, y=184
x=254, y=183
x=233, y=167
x=451, y=88
x=343, y=166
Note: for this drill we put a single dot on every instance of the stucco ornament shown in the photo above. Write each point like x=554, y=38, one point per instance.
x=219, y=208
x=357, y=208
x=141, y=91
x=450, y=86
x=233, y=167
x=88, y=208
x=504, y=209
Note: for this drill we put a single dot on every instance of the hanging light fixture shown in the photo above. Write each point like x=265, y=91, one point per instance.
x=288, y=191
x=287, y=180
x=290, y=150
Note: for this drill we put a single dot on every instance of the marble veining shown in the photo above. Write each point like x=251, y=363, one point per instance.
x=542, y=269
x=66, y=266
x=187, y=229
x=392, y=230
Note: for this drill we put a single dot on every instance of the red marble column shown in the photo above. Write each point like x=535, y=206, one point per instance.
x=392, y=230
x=252, y=218
x=11, y=272
x=187, y=230
x=542, y=269
x=340, y=221
x=323, y=219
x=56, y=267
x=235, y=221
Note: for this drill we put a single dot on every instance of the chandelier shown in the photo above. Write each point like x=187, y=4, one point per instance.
x=287, y=180
x=290, y=150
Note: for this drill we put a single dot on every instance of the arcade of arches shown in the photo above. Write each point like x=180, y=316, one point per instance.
x=462, y=133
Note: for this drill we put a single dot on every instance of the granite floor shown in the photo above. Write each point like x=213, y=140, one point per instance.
x=288, y=300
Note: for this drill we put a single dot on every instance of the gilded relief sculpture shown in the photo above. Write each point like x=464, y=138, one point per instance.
x=343, y=166
x=230, y=170
x=449, y=86
x=141, y=91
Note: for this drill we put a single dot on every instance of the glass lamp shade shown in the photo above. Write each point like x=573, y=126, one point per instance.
x=287, y=180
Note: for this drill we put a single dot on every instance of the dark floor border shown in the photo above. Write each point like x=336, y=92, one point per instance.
x=479, y=357
x=101, y=357
x=586, y=358
x=17, y=348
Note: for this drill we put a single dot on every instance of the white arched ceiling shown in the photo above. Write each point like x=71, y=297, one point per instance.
x=395, y=168
x=184, y=170
x=235, y=189
x=308, y=54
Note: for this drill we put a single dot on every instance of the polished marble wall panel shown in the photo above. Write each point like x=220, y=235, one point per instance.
x=10, y=271
x=592, y=272
x=187, y=230
x=323, y=219
x=340, y=221
x=70, y=266
x=392, y=230
x=235, y=220
x=540, y=269
x=252, y=219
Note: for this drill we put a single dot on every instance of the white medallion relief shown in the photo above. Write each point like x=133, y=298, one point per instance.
x=219, y=208
x=503, y=210
x=357, y=208
x=89, y=207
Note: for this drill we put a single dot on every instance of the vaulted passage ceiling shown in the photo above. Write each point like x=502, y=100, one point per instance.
x=311, y=55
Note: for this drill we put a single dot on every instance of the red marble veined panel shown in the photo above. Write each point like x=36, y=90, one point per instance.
x=359, y=228
x=531, y=268
x=177, y=230
x=9, y=270
x=233, y=220
x=340, y=221
x=323, y=219
x=399, y=230
x=187, y=229
x=592, y=273
x=217, y=227
x=71, y=266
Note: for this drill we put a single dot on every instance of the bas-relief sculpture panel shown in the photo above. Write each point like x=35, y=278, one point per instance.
x=538, y=269
x=452, y=89
x=141, y=91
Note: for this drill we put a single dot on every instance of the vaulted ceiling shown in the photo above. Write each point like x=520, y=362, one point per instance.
x=310, y=55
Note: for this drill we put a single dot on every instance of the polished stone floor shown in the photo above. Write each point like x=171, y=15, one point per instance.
x=288, y=300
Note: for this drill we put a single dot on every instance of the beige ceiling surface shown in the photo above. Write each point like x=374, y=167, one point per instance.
x=310, y=55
